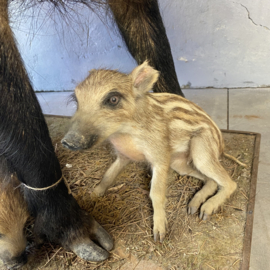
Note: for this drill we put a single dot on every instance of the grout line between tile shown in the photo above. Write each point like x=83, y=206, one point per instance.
x=228, y=109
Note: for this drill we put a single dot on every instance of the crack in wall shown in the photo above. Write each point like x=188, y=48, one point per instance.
x=252, y=19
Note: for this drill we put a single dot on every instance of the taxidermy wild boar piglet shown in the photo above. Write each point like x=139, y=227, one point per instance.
x=165, y=130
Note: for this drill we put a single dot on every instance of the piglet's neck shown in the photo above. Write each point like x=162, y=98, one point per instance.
x=125, y=144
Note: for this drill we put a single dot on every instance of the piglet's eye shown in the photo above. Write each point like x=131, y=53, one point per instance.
x=114, y=100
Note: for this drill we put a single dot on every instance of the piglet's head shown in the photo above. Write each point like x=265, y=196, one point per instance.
x=108, y=102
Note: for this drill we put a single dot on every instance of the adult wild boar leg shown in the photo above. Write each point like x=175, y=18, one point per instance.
x=142, y=29
x=25, y=143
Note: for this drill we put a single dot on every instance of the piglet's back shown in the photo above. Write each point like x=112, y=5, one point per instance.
x=186, y=119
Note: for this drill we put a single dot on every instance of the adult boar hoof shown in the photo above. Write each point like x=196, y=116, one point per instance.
x=100, y=235
x=89, y=251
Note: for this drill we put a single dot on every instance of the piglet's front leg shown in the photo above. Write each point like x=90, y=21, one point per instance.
x=110, y=176
x=158, y=197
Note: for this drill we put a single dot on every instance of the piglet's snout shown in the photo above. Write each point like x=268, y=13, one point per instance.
x=73, y=141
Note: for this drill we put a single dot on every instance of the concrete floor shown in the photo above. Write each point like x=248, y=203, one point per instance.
x=234, y=109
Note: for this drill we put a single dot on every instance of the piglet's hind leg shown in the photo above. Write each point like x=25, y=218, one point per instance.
x=209, y=188
x=206, y=161
x=180, y=165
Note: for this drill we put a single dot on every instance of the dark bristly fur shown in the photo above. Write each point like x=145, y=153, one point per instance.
x=26, y=144
x=24, y=137
x=141, y=26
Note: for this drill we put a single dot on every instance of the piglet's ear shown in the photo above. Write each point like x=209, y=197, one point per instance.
x=91, y=71
x=144, y=77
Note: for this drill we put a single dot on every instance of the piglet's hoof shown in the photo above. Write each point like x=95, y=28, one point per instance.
x=97, y=192
x=94, y=196
x=204, y=216
x=89, y=251
x=192, y=210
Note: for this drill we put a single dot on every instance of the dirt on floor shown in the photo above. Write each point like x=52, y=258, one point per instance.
x=126, y=212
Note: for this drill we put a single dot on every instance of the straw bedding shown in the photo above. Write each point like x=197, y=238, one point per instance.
x=126, y=212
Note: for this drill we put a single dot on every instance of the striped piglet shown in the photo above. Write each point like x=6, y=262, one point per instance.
x=165, y=130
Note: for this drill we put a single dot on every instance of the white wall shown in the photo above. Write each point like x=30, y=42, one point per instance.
x=215, y=43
